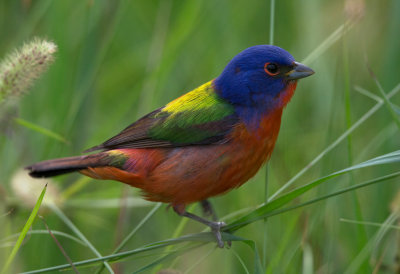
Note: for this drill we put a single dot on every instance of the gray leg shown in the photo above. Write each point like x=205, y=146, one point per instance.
x=208, y=210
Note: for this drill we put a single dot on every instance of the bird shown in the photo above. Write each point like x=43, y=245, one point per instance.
x=202, y=144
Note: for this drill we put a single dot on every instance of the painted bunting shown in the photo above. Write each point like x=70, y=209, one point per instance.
x=202, y=144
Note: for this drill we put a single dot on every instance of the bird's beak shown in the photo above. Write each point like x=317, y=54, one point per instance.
x=299, y=71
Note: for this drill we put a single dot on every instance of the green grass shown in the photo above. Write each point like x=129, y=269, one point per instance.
x=118, y=60
x=24, y=231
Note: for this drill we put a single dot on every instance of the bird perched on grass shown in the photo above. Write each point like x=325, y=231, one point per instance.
x=202, y=144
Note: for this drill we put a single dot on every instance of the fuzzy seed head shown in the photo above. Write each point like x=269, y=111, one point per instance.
x=19, y=69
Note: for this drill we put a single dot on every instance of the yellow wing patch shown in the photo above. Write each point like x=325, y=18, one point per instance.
x=202, y=97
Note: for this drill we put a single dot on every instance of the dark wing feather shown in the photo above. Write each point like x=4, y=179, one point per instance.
x=133, y=136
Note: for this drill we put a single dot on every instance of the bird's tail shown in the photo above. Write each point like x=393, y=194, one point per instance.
x=60, y=166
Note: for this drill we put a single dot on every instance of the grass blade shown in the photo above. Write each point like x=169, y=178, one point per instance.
x=388, y=104
x=68, y=222
x=59, y=246
x=142, y=222
x=356, y=263
x=170, y=255
x=24, y=231
x=41, y=130
x=362, y=237
x=241, y=262
x=328, y=42
x=342, y=137
x=368, y=94
x=203, y=237
x=200, y=260
x=336, y=193
x=178, y=231
x=364, y=223
x=58, y=233
x=133, y=232
x=285, y=199
x=272, y=22
x=275, y=261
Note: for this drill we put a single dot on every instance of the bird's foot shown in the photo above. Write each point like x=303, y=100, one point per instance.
x=215, y=226
x=216, y=229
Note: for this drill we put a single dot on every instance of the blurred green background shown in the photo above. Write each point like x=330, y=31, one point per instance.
x=118, y=60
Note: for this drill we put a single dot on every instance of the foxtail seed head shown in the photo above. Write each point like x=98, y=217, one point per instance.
x=19, y=69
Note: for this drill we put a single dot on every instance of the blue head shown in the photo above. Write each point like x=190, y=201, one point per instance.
x=255, y=78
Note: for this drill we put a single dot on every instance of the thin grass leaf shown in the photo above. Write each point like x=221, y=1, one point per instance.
x=203, y=237
x=383, y=229
x=172, y=254
x=361, y=232
x=25, y=230
x=55, y=232
x=271, y=42
x=71, y=225
x=336, y=193
x=232, y=215
x=200, y=260
x=362, y=256
x=364, y=223
x=265, y=229
x=41, y=130
x=369, y=94
x=156, y=262
x=328, y=42
x=342, y=137
x=133, y=232
x=276, y=256
x=388, y=104
x=241, y=262
x=178, y=230
x=60, y=246
x=271, y=22
x=258, y=269
x=383, y=135
x=286, y=198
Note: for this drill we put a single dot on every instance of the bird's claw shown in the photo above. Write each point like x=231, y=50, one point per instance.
x=216, y=229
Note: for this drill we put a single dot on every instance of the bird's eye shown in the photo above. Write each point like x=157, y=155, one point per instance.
x=271, y=69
